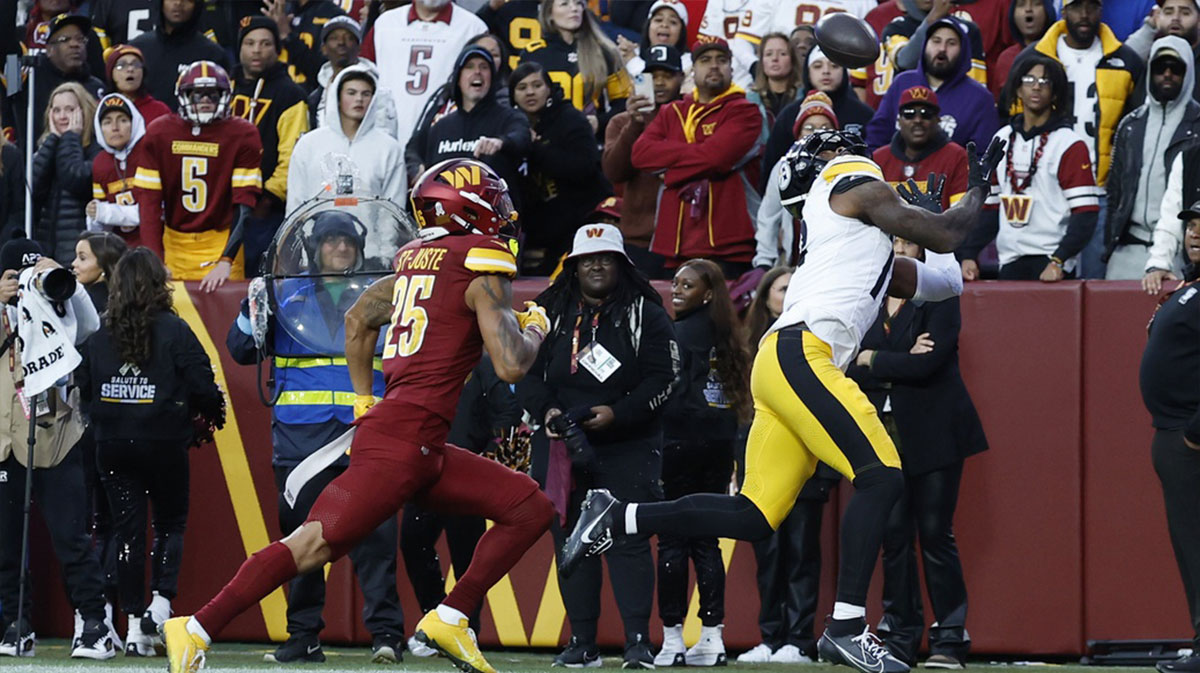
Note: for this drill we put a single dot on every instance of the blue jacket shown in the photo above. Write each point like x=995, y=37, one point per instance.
x=316, y=399
x=1125, y=16
x=968, y=109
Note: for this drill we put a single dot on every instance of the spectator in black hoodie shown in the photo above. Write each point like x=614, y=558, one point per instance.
x=480, y=127
x=176, y=43
x=563, y=182
x=822, y=74
x=12, y=189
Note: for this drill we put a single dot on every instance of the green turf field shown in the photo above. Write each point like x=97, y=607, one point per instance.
x=52, y=657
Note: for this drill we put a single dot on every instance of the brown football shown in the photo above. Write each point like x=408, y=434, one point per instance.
x=847, y=40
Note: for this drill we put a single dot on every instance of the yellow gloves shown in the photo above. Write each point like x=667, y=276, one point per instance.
x=363, y=404
x=534, y=318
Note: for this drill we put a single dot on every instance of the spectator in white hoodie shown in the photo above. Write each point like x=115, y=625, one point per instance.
x=349, y=143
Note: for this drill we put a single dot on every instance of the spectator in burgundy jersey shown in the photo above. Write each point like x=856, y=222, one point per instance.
x=921, y=147
x=125, y=72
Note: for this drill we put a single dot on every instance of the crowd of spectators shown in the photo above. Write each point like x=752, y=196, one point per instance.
x=196, y=129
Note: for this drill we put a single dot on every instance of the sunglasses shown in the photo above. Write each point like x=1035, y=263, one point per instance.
x=1035, y=82
x=918, y=112
x=1162, y=65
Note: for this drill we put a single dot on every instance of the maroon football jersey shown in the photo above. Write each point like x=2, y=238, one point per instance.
x=433, y=341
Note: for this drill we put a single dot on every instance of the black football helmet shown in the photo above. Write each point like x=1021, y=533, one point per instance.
x=803, y=163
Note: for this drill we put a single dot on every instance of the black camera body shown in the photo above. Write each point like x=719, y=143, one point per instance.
x=566, y=425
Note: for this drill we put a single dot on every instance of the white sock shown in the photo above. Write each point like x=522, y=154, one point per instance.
x=450, y=615
x=194, y=628
x=631, y=519
x=847, y=611
x=160, y=607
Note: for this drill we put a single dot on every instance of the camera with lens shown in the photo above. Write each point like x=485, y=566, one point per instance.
x=566, y=425
x=57, y=285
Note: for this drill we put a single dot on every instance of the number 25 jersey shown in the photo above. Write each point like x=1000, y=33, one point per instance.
x=433, y=341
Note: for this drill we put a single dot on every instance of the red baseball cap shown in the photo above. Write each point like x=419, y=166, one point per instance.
x=707, y=43
x=920, y=95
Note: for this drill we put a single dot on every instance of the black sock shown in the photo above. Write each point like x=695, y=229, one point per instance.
x=875, y=494
x=846, y=627
x=702, y=515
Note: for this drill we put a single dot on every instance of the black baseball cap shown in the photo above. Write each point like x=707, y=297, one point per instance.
x=64, y=20
x=1192, y=212
x=663, y=57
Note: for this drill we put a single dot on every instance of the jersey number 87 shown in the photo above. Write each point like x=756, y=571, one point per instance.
x=406, y=333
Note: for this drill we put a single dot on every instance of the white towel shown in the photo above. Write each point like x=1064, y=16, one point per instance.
x=47, y=339
x=310, y=467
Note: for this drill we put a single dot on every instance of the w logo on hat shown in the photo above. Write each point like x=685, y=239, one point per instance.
x=595, y=232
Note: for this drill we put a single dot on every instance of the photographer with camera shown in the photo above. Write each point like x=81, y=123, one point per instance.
x=601, y=379
x=45, y=316
x=150, y=393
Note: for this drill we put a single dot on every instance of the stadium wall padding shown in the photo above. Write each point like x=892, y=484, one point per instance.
x=1061, y=524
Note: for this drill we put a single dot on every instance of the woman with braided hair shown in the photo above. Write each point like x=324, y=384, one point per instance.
x=1044, y=201
x=149, y=390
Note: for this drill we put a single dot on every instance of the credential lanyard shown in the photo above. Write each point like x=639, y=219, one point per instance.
x=575, y=337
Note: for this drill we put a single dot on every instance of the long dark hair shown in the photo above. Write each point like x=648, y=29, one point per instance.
x=1060, y=91
x=798, y=76
x=564, y=292
x=526, y=69
x=107, y=247
x=732, y=359
x=680, y=44
x=139, y=292
x=758, y=316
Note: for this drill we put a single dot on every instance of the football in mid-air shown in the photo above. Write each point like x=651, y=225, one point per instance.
x=847, y=40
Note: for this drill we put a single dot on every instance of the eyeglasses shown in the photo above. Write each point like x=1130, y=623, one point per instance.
x=1162, y=65
x=1035, y=82
x=75, y=39
x=813, y=128
x=131, y=65
x=923, y=112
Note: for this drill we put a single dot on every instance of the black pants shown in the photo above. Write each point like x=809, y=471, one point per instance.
x=60, y=496
x=693, y=467
x=1029, y=267
x=631, y=470
x=132, y=473
x=789, y=571
x=419, y=533
x=99, y=515
x=1178, y=468
x=257, y=238
x=925, y=511
x=374, y=562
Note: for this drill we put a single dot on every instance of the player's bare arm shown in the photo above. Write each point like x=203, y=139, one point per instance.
x=511, y=348
x=366, y=317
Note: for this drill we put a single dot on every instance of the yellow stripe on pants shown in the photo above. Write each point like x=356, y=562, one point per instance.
x=232, y=452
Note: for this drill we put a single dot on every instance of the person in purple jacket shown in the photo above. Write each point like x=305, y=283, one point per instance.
x=968, y=109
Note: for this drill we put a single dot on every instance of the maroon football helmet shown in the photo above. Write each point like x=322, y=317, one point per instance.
x=203, y=76
x=464, y=195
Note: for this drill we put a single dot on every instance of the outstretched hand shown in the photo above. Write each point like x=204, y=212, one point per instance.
x=930, y=198
x=979, y=169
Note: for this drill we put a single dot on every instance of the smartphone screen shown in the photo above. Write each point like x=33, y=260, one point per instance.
x=643, y=85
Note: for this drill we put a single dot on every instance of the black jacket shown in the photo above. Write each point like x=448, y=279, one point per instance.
x=695, y=410
x=277, y=106
x=302, y=48
x=168, y=54
x=12, y=191
x=1126, y=167
x=438, y=105
x=937, y=421
x=62, y=187
x=1170, y=371
x=564, y=183
x=165, y=392
x=486, y=404
x=641, y=339
x=454, y=135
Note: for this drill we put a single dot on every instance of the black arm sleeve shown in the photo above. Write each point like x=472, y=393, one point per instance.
x=1079, y=231
x=237, y=233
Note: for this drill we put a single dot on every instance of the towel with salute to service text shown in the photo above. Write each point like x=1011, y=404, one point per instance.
x=47, y=334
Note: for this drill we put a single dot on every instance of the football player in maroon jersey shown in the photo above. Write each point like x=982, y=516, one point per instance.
x=450, y=298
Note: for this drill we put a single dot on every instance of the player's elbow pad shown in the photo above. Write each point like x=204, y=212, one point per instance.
x=938, y=278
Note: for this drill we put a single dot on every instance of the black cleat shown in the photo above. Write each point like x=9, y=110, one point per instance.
x=301, y=650
x=579, y=655
x=1188, y=664
x=638, y=654
x=593, y=533
x=864, y=652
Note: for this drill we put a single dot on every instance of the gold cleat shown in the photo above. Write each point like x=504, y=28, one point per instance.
x=185, y=650
x=455, y=642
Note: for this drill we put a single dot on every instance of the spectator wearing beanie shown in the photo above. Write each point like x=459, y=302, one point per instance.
x=113, y=206
x=176, y=43
x=705, y=147
x=125, y=72
x=921, y=147
x=264, y=95
x=665, y=65
x=775, y=229
x=298, y=35
x=563, y=183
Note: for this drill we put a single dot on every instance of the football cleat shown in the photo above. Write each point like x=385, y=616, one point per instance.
x=864, y=652
x=456, y=642
x=593, y=534
x=185, y=650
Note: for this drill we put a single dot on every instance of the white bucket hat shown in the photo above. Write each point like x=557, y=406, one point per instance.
x=591, y=239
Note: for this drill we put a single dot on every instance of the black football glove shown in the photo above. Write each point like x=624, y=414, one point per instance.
x=979, y=169
x=930, y=199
